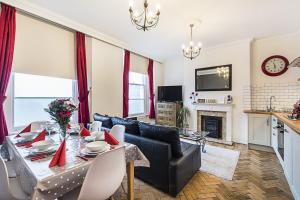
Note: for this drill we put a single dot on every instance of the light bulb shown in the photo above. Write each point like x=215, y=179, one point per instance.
x=151, y=15
x=199, y=45
x=135, y=14
x=131, y=4
x=183, y=47
x=157, y=7
x=191, y=43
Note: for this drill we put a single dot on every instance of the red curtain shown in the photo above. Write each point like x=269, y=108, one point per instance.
x=83, y=93
x=126, y=83
x=151, y=90
x=7, y=43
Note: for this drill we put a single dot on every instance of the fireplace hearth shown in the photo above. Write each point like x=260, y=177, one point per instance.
x=213, y=125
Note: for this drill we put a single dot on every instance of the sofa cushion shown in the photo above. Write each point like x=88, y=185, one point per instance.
x=164, y=134
x=131, y=126
x=105, y=119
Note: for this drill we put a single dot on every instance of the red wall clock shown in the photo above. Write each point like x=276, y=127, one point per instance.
x=275, y=65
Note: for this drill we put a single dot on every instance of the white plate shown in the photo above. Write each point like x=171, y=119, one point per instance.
x=29, y=135
x=42, y=151
x=44, y=144
x=85, y=151
x=96, y=146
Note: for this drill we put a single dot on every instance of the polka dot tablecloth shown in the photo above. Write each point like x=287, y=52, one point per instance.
x=41, y=182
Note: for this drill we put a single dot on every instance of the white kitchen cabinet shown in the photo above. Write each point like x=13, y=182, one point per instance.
x=274, y=134
x=259, y=129
x=288, y=153
x=296, y=164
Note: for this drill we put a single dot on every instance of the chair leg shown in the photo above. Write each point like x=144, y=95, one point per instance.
x=123, y=188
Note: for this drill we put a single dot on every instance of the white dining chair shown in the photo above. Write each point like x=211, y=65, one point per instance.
x=95, y=126
x=118, y=131
x=103, y=178
x=38, y=125
x=9, y=187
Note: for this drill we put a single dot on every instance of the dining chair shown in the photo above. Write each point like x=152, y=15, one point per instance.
x=103, y=178
x=9, y=187
x=118, y=131
x=38, y=125
x=95, y=126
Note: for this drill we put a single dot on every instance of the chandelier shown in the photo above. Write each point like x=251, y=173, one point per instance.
x=145, y=19
x=223, y=72
x=191, y=51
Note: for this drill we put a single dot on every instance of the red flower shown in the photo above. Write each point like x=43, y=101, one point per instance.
x=65, y=114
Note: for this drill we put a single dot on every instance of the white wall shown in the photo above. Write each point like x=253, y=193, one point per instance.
x=237, y=54
x=285, y=45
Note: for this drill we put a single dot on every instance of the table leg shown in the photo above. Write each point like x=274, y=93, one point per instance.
x=130, y=180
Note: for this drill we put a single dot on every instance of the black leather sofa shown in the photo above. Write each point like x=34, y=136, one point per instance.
x=172, y=163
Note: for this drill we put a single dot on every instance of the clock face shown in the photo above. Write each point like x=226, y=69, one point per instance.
x=275, y=65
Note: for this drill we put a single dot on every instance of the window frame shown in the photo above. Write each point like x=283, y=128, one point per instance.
x=74, y=92
x=145, y=85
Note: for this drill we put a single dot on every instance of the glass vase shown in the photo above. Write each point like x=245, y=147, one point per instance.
x=62, y=131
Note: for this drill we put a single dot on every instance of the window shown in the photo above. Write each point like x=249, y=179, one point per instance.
x=137, y=93
x=33, y=93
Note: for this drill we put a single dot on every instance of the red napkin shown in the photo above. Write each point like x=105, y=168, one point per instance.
x=27, y=129
x=84, y=132
x=110, y=139
x=40, y=137
x=60, y=156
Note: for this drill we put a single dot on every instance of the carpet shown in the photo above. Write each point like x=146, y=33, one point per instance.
x=219, y=161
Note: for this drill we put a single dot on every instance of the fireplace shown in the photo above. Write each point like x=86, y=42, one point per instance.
x=212, y=124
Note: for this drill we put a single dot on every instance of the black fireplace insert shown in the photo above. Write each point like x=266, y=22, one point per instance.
x=213, y=125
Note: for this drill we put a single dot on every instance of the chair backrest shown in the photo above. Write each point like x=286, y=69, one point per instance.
x=4, y=183
x=38, y=125
x=104, y=176
x=96, y=126
x=118, y=131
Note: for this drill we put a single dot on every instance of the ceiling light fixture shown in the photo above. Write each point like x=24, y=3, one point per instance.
x=191, y=51
x=146, y=19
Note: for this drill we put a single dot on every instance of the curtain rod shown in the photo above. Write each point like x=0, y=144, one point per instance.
x=28, y=14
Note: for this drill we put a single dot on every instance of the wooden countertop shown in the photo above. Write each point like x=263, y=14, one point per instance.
x=295, y=125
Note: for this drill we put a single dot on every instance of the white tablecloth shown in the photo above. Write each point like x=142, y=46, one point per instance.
x=41, y=182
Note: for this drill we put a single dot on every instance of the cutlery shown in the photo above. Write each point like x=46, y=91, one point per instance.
x=83, y=158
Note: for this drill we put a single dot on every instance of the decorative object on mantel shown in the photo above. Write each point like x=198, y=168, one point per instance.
x=275, y=65
x=193, y=96
x=191, y=51
x=228, y=99
x=206, y=101
x=183, y=116
x=60, y=111
x=146, y=19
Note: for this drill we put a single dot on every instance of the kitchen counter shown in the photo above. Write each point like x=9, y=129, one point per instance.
x=293, y=124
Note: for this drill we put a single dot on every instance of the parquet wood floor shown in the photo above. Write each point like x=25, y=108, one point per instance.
x=258, y=176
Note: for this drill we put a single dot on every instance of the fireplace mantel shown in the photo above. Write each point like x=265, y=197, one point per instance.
x=219, y=107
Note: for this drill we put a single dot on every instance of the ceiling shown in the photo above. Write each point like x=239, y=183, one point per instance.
x=222, y=21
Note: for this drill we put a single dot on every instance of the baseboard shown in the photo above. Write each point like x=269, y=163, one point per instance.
x=260, y=148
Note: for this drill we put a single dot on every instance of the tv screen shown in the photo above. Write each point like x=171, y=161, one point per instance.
x=169, y=93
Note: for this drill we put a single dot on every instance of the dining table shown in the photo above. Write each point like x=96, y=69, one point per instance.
x=41, y=182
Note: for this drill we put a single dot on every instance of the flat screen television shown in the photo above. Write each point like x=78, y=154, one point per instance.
x=169, y=93
x=217, y=78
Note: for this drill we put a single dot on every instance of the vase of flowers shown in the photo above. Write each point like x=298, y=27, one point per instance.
x=60, y=111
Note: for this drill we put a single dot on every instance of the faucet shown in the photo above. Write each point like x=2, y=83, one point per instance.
x=270, y=108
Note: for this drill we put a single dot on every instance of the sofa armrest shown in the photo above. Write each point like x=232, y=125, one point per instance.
x=182, y=169
x=152, y=149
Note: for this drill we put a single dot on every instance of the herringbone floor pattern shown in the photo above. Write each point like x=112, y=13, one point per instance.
x=258, y=176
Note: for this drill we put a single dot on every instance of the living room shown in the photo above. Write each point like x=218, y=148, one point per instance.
x=201, y=99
